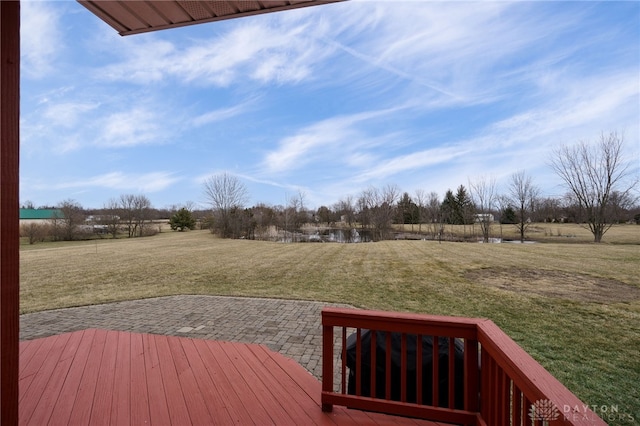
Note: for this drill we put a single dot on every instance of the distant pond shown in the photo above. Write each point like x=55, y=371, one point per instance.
x=329, y=235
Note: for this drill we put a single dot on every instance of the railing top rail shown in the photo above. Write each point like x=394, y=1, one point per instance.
x=401, y=322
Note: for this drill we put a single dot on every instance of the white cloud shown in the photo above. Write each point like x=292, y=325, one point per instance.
x=254, y=50
x=67, y=114
x=138, y=126
x=145, y=182
x=332, y=139
x=40, y=38
x=220, y=114
x=413, y=161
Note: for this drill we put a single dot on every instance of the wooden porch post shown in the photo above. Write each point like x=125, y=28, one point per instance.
x=9, y=209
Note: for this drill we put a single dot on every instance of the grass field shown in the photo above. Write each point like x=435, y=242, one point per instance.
x=573, y=307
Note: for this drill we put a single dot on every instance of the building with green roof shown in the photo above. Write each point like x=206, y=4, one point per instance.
x=39, y=215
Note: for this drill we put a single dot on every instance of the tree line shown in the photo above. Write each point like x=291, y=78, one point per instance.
x=601, y=191
x=131, y=215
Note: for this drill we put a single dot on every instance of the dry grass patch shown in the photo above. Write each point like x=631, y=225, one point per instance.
x=556, y=284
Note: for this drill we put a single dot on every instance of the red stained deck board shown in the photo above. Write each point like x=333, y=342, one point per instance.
x=207, y=387
x=102, y=398
x=31, y=369
x=120, y=378
x=256, y=378
x=81, y=412
x=257, y=412
x=222, y=384
x=67, y=395
x=121, y=398
x=41, y=413
x=283, y=387
x=139, y=403
x=158, y=405
x=195, y=403
x=178, y=411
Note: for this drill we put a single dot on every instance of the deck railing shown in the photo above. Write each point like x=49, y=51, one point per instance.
x=457, y=370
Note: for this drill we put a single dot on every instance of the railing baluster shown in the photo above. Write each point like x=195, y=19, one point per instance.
x=505, y=399
x=484, y=384
x=373, y=372
x=435, y=357
x=471, y=378
x=491, y=397
x=419, y=369
x=387, y=383
x=358, y=377
x=344, y=360
x=452, y=372
x=516, y=410
x=403, y=367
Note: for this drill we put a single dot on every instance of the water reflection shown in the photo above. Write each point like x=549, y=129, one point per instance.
x=329, y=235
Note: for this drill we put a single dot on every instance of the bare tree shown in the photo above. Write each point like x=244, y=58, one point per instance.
x=365, y=204
x=72, y=218
x=225, y=193
x=549, y=209
x=143, y=211
x=384, y=210
x=592, y=173
x=483, y=194
x=523, y=195
x=435, y=216
x=346, y=210
x=298, y=210
x=34, y=232
x=421, y=202
x=111, y=217
x=128, y=215
x=135, y=212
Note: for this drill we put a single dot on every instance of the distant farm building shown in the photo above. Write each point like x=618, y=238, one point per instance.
x=28, y=216
x=483, y=217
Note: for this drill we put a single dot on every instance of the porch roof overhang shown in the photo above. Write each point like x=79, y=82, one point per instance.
x=139, y=16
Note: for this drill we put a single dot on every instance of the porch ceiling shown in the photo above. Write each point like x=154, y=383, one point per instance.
x=133, y=17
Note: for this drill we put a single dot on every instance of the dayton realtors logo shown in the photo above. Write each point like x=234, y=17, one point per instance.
x=543, y=409
x=547, y=411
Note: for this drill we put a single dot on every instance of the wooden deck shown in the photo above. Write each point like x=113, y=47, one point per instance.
x=120, y=378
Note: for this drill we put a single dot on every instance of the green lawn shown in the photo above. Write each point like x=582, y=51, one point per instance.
x=573, y=307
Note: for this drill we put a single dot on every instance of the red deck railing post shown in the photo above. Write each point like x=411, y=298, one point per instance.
x=9, y=209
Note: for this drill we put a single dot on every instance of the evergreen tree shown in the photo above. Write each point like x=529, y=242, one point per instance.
x=509, y=216
x=464, y=207
x=407, y=210
x=457, y=209
x=182, y=220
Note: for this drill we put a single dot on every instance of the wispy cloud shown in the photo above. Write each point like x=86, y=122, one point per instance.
x=412, y=161
x=67, y=114
x=137, y=126
x=329, y=139
x=40, y=38
x=221, y=114
x=252, y=51
x=145, y=182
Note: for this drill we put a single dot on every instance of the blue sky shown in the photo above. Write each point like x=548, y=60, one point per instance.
x=325, y=101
